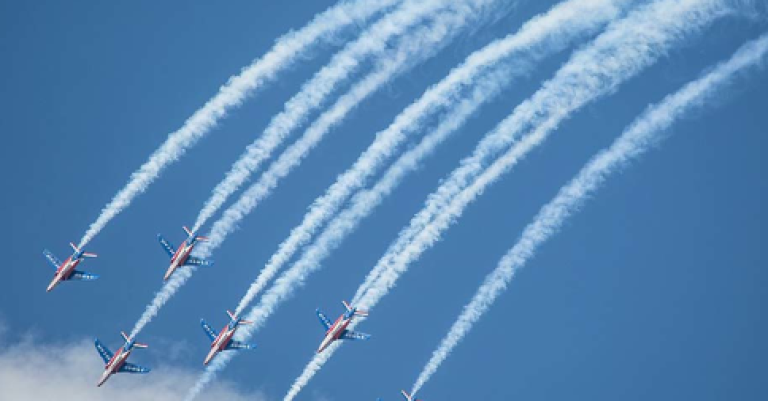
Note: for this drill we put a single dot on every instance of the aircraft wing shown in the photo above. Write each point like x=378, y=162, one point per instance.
x=212, y=334
x=51, y=258
x=133, y=368
x=324, y=319
x=240, y=345
x=169, y=248
x=83, y=276
x=353, y=335
x=198, y=262
x=105, y=353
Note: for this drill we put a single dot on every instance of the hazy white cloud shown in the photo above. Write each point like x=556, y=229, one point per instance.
x=33, y=371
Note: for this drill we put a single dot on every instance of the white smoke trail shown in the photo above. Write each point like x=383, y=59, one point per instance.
x=445, y=24
x=633, y=143
x=284, y=53
x=371, y=43
x=415, y=47
x=547, y=34
x=621, y=52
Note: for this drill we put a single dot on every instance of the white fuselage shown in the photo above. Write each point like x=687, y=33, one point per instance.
x=114, y=365
x=220, y=343
x=179, y=258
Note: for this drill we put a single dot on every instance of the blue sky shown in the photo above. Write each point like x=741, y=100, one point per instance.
x=653, y=291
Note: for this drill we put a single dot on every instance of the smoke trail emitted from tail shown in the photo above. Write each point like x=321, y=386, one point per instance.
x=392, y=62
x=417, y=46
x=632, y=43
x=621, y=52
x=284, y=53
x=372, y=43
x=547, y=34
x=633, y=143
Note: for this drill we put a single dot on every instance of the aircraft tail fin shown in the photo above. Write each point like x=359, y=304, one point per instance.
x=85, y=254
x=357, y=312
x=241, y=322
x=191, y=233
x=135, y=344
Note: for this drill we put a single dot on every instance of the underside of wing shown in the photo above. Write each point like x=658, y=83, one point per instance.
x=353, y=335
x=133, y=368
x=55, y=262
x=169, y=248
x=104, y=352
x=198, y=262
x=324, y=319
x=212, y=334
x=83, y=276
x=240, y=345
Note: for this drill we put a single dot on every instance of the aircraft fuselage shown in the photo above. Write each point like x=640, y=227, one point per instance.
x=179, y=258
x=63, y=272
x=114, y=364
x=334, y=332
x=220, y=343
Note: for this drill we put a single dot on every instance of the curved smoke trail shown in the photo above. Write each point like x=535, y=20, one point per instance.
x=633, y=43
x=633, y=143
x=284, y=53
x=417, y=46
x=414, y=49
x=621, y=52
x=371, y=44
x=547, y=34
x=392, y=62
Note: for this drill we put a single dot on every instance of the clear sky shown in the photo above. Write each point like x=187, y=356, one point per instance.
x=655, y=290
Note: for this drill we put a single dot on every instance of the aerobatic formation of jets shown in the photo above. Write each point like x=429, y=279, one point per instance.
x=222, y=341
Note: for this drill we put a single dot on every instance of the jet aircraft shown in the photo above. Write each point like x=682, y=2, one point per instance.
x=338, y=329
x=66, y=271
x=116, y=363
x=223, y=341
x=181, y=256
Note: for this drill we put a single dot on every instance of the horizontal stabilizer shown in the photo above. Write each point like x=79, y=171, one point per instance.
x=54, y=261
x=82, y=276
x=240, y=321
x=194, y=235
x=353, y=335
x=209, y=331
x=84, y=254
x=240, y=345
x=133, y=368
x=357, y=312
x=104, y=352
x=135, y=344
